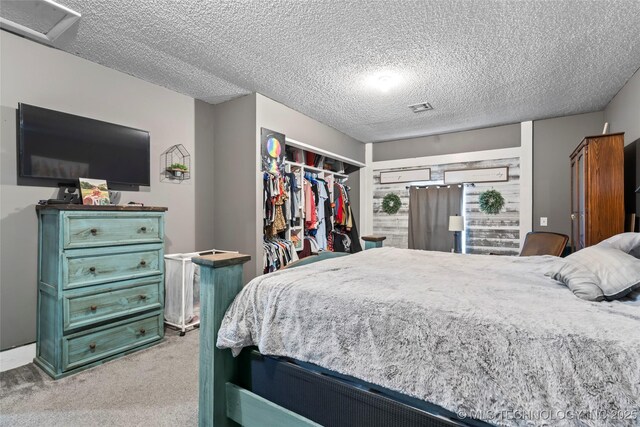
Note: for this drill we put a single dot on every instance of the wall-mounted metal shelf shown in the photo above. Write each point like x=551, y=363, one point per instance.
x=175, y=164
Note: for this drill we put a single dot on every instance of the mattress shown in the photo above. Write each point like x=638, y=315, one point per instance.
x=487, y=337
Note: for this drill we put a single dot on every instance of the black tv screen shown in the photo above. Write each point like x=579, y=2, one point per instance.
x=58, y=148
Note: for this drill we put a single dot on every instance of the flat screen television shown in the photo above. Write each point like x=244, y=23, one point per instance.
x=56, y=148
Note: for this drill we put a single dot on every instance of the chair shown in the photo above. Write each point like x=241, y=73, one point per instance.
x=543, y=243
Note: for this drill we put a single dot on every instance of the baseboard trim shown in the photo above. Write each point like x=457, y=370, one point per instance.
x=16, y=357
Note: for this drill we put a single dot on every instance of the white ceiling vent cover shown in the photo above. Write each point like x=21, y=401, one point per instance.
x=42, y=20
x=419, y=108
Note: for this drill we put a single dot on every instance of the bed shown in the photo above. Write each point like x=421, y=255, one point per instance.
x=490, y=340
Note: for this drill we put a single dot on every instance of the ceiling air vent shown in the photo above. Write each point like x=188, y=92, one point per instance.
x=41, y=20
x=419, y=108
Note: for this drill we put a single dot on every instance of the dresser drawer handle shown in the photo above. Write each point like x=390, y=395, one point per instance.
x=143, y=229
x=143, y=263
x=92, y=269
x=143, y=297
x=94, y=231
x=93, y=307
x=92, y=346
x=142, y=331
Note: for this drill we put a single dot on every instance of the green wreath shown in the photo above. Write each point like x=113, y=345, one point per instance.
x=391, y=203
x=491, y=202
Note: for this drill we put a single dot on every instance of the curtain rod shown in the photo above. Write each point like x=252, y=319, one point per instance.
x=466, y=184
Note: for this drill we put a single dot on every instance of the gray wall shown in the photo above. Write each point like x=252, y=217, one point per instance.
x=235, y=179
x=35, y=74
x=295, y=125
x=204, y=202
x=553, y=141
x=459, y=142
x=623, y=112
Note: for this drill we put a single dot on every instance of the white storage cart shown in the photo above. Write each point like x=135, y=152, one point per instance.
x=182, y=290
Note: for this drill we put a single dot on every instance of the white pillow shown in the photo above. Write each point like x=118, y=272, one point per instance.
x=626, y=242
x=613, y=271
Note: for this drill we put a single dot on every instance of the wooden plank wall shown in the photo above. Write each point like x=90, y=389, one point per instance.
x=484, y=233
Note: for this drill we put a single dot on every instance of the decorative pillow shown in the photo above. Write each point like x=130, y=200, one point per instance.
x=583, y=283
x=611, y=270
x=626, y=242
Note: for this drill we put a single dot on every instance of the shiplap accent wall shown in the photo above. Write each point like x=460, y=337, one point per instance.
x=484, y=233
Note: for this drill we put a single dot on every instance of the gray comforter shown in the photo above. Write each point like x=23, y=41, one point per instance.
x=484, y=336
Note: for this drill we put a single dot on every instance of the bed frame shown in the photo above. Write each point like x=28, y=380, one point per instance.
x=223, y=401
x=225, y=398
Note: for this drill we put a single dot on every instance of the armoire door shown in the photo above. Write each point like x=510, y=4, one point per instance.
x=575, y=230
x=578, y=200
x=582, y=199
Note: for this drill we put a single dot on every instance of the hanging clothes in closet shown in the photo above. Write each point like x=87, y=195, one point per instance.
x=323, y=196
x=270, y=186
x=278, y=253
x=275, y=210
x=309, y=247
x=318, y=214
x=345, y=236
x=293, y=201
x=328, y=221
x=310, y=203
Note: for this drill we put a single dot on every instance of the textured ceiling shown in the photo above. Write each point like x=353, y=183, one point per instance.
x=478, y=63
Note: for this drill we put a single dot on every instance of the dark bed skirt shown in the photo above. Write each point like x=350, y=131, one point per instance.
x=335, y=401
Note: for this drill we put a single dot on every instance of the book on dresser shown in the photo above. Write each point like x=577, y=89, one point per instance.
x=100, y=284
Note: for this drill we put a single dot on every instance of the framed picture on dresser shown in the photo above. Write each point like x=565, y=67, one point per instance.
x=93, y=191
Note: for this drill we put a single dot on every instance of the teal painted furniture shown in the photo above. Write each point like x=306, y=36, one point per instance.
x=371, y=242
x=100, y=284
x=222, y=403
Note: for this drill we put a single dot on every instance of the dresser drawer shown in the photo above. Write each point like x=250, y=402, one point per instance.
x=99, y=343
x=84, y=267
x=92, y=229
x=101, y=303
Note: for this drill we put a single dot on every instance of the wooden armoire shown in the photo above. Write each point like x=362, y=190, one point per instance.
x=597, y=189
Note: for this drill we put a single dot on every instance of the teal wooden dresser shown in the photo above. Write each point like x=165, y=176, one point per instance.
x=100, y=284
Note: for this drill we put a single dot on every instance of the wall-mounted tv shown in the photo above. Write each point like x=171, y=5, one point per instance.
x=56, y=148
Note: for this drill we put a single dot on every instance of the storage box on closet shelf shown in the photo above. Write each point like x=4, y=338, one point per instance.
x=182, y=290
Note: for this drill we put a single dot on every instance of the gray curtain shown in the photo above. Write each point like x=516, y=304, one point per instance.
x=429, y=211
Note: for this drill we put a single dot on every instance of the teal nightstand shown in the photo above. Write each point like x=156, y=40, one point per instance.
x=371, y=242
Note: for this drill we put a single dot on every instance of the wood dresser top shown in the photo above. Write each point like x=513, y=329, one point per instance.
x=123, y=208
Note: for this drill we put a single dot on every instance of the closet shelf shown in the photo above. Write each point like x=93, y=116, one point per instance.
x=288, y=162
x=314, y=169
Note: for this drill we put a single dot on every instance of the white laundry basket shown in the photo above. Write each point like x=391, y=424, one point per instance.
x=182, y=290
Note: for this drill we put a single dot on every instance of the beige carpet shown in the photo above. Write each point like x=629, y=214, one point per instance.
x=153, y=387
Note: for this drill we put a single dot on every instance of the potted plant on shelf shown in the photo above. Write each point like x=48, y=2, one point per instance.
x=177, y=170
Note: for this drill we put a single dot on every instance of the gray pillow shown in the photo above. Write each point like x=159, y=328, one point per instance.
x=583, y=283
x=611, y=270
x=626, y=242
